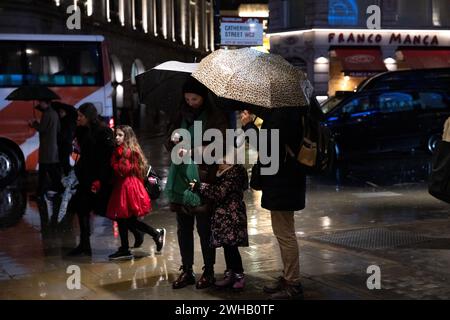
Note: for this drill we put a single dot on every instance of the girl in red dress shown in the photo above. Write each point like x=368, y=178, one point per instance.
x=129, y=199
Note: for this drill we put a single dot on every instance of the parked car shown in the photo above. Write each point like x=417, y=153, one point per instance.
x=332, y=101
x=376, y=121
x=400, y=79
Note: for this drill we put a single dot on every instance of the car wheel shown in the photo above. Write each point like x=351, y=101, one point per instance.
x=12, y=207
x=10, y=165
x=433, y=142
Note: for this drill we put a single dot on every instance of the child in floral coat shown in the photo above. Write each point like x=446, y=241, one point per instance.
x=229, y=221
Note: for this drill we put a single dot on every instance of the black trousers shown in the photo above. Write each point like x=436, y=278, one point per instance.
x=233, y=259
x=185, y=233
x=49, y=178
x=84, y=203
x=134, y=225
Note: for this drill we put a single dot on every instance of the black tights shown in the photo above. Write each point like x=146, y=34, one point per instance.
x=133, y=224
x=233, y=259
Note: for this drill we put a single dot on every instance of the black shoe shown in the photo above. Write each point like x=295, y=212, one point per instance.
x=121, y=255
x=160, y=240
x=81, y=250
x=206, y=280
x=138, y=239
x=289, y=292
x=186, y=278
x=275, y=287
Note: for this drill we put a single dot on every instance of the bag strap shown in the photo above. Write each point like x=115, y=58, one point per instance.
x=149, y=169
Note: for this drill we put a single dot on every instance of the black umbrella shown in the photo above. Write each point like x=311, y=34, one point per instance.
x=28, y=93
x=70, y=110
x=161, y=87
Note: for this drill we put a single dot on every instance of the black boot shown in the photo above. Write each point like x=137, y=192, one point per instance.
x=84, y=248
x=186, y=278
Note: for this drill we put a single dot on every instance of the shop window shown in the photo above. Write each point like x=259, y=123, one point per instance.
x=414, y=13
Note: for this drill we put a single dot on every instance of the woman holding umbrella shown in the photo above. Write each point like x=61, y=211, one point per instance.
x=195, y=107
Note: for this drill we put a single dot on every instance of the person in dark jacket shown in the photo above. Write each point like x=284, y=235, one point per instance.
x=68, y=118
x=195, y=107
x=93, y=171
x=284, y=193
x=49, y=167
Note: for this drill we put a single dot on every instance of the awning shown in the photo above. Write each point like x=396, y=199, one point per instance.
x=424, y=59
x=361, y=62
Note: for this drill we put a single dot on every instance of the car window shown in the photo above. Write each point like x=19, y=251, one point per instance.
x=396, y=102
x=330, y=103
x=432, y=101
x=357, y=105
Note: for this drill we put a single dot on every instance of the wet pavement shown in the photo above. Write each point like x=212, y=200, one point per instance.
x=371, y=212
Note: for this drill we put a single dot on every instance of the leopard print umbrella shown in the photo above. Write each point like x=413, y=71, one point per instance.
x=254, y=77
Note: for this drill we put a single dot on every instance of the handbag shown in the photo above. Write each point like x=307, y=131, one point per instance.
x=308, y=153
x=152, y=184
x=439, y=184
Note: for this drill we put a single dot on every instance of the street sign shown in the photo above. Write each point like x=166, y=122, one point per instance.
x=238, y=31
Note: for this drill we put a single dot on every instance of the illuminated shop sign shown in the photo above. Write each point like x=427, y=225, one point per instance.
x=377, y=38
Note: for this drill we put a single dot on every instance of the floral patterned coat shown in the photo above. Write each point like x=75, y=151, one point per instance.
x=229, y=220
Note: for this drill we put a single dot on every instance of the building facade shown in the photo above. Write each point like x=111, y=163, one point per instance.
x=339, y=43
x=139, y=34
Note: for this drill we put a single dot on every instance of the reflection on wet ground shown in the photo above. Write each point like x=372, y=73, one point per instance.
x=388, y=192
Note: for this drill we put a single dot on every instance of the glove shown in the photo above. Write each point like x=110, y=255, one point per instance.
x=95, y=187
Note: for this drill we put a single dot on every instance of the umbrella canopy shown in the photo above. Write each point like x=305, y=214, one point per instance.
x=71, y=111
x=28, y=93
x=254, y=77
x=161, y=86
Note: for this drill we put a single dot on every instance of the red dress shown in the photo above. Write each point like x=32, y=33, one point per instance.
x=129, y=197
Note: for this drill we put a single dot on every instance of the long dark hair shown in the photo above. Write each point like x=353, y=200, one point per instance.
x=90, y=112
